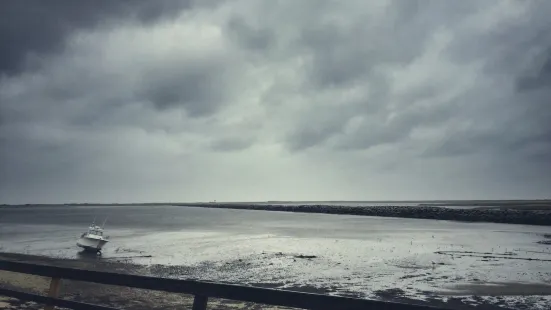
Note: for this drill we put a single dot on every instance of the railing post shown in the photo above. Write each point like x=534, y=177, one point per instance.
x=55, y=285
x=200, y=302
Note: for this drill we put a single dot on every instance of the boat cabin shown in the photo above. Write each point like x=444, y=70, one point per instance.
x=95, y=230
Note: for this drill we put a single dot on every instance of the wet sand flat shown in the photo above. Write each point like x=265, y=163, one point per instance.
x=136, y=299
x=107, y=295
x=361, y=256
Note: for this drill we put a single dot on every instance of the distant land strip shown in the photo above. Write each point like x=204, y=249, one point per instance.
x=528, y=212
x=510, y=214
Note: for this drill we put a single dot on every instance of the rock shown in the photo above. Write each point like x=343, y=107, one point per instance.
x=305, y=256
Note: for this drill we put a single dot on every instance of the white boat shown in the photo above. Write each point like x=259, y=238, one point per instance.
x=93, y=239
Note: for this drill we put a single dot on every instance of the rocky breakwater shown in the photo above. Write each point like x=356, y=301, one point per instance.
x=509, y=214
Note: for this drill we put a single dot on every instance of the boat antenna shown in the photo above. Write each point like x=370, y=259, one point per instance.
x=94, y=222
x=103, y=225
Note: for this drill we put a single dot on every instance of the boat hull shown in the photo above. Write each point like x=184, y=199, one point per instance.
x=90, y=244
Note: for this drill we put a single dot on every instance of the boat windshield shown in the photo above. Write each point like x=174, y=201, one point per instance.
x=95, y=232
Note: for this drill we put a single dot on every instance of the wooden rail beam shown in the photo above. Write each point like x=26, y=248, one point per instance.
x=204, y=290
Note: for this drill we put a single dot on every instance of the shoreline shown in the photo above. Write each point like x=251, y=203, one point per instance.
x=536, y=212
x=138, y=299
x=100, y=294
x=513, y=214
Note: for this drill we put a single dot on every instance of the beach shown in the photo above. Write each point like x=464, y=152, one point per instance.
x=106, y=295
x=436, y=262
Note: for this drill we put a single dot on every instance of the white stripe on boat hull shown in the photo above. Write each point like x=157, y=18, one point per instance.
x=91, y=244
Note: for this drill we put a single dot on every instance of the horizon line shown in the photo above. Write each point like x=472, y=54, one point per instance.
x=284, y=201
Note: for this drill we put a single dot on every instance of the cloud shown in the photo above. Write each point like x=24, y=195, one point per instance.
x=34, y=28
x=246, y=100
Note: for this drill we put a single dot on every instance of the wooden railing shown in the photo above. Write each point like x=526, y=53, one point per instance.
x=201, y=291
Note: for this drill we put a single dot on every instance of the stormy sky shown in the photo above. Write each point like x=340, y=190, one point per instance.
x=167, y=100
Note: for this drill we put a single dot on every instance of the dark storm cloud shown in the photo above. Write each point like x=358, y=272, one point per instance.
x=34, y=28
x=250, y=37
x=172, y=99
x=514, y=121
x=540, y=76
x=196, y=87
x=232, y=144
x=313, y=132
x=521, y=116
